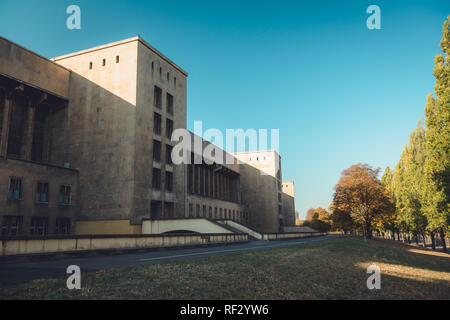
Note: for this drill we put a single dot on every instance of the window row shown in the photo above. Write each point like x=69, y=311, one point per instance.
x=157, y=149
x=157, y=128
x=42, y=194
x=167, y=75
x=219, y=213
x=39, y=226
x=157, y=100
x=91, y=64
x=156, y=180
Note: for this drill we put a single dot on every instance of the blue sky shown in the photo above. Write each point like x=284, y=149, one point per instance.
x=339, y=93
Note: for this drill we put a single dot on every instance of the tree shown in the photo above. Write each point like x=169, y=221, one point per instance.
x=360, y=195
x=387, y=220
x=320, y=220
x=409, y=185
x=437, y=165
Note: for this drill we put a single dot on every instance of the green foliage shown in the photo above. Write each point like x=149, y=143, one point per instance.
x=437, y=164
x=408, y=184
x=419, y=186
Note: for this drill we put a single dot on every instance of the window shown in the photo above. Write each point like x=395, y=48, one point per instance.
x=157, y=123
x=156, y=179
x=197, y=210
x=221, y=213
x=191, y=210
x=15, y=189
x=215, y=213
x=117, y=59
x=42, y=192
x=65, y=197
x=156, y=150
x=160, y=71
x=225, y=214
x=175, y=82
x=169, y=128
x=210, y=212
x=153, y=66
x=169, y=181
x=90, y=65
x=204, y=212
x=168, y=77
x=158, y=97
x=11, y=226
x=104, y=62
x=39, y=226
x=19, y=108
x=169, y=154
x=169, y=103
x=2, y=109
x=62, y=226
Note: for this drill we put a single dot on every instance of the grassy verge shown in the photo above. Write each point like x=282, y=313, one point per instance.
x=327, y=270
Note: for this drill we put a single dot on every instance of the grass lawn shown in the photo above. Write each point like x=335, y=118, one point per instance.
x=324, y=270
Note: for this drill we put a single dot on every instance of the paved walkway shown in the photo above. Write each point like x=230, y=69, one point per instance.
x=27, y=271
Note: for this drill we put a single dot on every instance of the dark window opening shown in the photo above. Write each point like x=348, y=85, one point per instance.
x=169, y=128
x=156, y=150
x=39, y=226
x=16, y=127
x=158, y=97
x=169, y=103
x=169, y=181
x=65, y=197
x=117, y=59
x=40, y=118
x=157, y=123
x=104, y=62
x=156, y=179
x=62, y=226
x=11, y=226
x=169, y=154
x=90, y=65
x=15, y=189
x=42, y=192
x=2, y=109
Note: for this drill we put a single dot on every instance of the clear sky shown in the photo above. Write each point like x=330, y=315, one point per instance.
x=339, y=93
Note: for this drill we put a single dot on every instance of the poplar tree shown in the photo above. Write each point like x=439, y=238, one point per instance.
x=437, y=165
x=409, y=180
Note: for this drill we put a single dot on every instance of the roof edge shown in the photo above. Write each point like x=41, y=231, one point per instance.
x=118, y=43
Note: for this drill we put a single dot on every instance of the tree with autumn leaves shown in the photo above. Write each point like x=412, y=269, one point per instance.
x=360, y=200
x=318, y=219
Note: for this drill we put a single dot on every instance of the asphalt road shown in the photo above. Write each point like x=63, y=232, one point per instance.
x=26, y=271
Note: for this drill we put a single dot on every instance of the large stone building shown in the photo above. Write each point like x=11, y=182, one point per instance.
x=85, y=148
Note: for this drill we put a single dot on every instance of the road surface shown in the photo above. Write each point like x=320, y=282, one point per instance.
x=26, y=271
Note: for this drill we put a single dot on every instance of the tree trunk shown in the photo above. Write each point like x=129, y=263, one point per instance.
x=433, y=241
x=444, y=245
x=416, y=238
x=424, y=241
x=393, y=235
x=398, y=235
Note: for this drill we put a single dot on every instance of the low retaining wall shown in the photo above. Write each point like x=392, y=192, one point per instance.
x=292, y=235
x=55, y=244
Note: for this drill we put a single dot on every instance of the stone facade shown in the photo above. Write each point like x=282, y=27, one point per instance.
x=93, y=128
